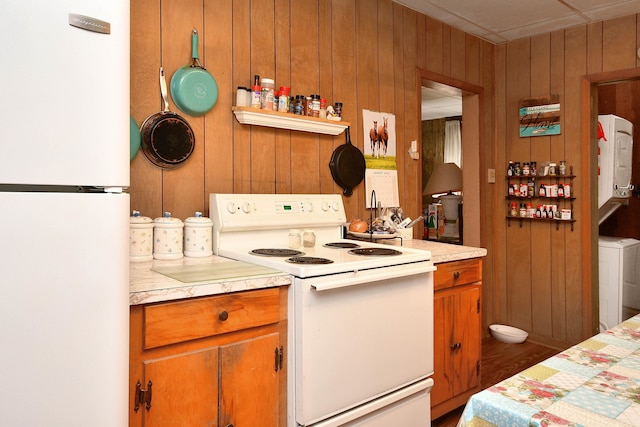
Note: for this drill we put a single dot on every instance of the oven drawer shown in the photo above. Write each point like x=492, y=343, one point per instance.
x=174, y=322
x=457, y=273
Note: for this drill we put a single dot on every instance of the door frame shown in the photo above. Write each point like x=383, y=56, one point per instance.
x=471, y=142
x=589, y=194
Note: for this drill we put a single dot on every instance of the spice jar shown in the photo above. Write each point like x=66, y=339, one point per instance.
x=267, y=94
x=562, y=169
x=308, y=239
x=241, y=96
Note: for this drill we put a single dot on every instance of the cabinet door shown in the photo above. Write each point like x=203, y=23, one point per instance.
x=249, y=391
x=184, y=390
x=442, y=351
x=466, y=359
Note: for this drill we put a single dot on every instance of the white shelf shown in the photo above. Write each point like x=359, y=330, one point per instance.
x=274, y=119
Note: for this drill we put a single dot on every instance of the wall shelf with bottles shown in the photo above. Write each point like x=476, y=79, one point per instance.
x=524, y=190
x=282, y=120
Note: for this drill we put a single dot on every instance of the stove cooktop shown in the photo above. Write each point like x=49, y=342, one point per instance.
x=341, y=256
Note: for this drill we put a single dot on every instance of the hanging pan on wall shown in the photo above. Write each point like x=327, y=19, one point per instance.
x=193, y=88
x=167, y=138
x=347, y=165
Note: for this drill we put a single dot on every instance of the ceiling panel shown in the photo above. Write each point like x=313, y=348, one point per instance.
x=498, y=21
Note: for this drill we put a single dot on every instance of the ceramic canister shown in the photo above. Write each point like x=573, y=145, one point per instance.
x=198, y=239
x=140, y=238
x=167, y=237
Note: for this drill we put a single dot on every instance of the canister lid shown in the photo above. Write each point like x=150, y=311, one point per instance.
x=198, y=220
x=167, y=220
x=136, y=218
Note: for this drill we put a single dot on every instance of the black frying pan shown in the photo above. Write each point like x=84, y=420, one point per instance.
x=347, y=165
x=167, y=138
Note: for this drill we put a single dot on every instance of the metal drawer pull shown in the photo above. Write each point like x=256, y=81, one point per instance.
x=456, y=275
x=223, y=316
x=455, y=346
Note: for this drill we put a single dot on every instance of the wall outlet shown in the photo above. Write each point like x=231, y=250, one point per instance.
x=491, y=176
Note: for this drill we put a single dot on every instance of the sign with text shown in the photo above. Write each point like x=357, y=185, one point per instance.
x=540, y=116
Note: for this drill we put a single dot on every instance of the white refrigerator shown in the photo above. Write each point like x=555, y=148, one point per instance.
x=64, y=213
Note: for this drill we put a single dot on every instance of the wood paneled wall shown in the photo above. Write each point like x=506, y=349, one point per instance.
x=539, y=283
x=363, y=53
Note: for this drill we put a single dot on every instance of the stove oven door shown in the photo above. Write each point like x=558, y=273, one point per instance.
x=359, y=338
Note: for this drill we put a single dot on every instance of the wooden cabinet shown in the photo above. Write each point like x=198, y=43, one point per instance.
x=210, y=361
x=457, y=334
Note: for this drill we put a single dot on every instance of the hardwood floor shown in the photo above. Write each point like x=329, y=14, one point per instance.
x=500, y=361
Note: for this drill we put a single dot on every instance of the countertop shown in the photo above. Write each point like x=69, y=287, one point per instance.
x=440, y=252
x=148, y=285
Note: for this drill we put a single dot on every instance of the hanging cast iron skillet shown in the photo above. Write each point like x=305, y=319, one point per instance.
x=347, y=165
x=193, y=89
x=167, y=138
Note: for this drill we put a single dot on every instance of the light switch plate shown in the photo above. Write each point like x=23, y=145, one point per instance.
x=491, y=176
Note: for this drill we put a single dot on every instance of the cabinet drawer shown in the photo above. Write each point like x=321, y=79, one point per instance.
x=174, y=322
x=457, y=273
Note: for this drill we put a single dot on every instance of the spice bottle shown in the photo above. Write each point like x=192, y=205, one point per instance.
x=266, y=99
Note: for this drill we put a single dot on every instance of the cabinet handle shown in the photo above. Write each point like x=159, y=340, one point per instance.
x=223, y=316
x=456, y=275
x=455, y=346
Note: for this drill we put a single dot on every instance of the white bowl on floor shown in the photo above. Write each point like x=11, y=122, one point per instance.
x=508, y=334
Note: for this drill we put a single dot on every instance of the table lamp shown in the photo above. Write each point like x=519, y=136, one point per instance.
x=445, y=179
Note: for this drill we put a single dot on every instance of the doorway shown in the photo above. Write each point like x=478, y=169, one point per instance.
x=469, y=96
x=591, y=87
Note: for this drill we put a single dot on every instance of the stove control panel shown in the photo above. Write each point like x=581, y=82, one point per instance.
x=268, y=211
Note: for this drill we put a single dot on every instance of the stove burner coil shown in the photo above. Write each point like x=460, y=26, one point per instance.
x=308, y=260
x=276, y=252
x=374, y=252
x=342, y=245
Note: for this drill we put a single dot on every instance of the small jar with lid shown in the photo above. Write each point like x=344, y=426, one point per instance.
x=198, y=236
x=267, y=93
x=241, y=96
x=562, y=169
x=338, y=109
x=315, y=105
x=140, y=238
x=308, y=238
x=295, y=239
x=167, y=237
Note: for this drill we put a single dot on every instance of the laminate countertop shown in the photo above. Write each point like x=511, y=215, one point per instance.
x=166, y=280
x=440, y=252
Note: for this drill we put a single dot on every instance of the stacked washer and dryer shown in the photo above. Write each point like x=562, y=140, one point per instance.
x=619, y=257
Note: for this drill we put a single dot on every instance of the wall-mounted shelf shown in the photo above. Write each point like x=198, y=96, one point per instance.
x=564, y=201
x=281, y=120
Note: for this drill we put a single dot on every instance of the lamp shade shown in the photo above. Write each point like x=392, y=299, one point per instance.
x=446, y=177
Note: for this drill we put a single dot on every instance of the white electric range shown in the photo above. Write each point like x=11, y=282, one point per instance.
x=360, y=313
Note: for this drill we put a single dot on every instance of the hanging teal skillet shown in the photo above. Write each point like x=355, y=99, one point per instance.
x=193, y=89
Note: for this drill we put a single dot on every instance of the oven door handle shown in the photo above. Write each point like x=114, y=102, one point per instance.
x=378, y=274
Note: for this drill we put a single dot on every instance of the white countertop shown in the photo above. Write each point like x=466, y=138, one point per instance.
x=441, y=252
x=147, y=285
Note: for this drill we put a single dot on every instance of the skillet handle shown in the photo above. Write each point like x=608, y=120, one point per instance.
x=194, y=44
x=194, y=50
x=163, y=90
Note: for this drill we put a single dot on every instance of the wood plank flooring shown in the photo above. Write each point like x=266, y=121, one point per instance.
x=500, y=361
